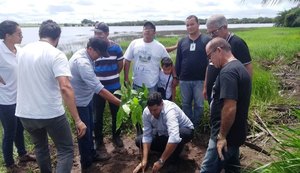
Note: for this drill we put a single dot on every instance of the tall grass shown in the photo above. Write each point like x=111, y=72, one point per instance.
x=265, y=87
x=287, y=152
x=272, y=43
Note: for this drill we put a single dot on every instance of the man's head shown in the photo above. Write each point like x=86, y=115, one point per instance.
x=50, y=29
x=149, y=31
x=96, y=48
x=155, y=104
x=217, y=26
x=101, y=30
x=192, y=24
x=218, y=50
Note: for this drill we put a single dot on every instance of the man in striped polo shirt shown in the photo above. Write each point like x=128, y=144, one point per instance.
x=107, y=70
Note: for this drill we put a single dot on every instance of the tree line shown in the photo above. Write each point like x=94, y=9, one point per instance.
x=181, y=22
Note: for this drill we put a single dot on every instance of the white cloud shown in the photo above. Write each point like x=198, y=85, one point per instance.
x=131, y=10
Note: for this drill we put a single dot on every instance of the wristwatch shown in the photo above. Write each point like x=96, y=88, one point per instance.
x=161, y=161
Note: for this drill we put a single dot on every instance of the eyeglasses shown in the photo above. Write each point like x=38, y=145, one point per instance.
x=210, y=53
x=213, y=33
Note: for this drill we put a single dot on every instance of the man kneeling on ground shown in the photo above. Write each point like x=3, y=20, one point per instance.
x=166, y=129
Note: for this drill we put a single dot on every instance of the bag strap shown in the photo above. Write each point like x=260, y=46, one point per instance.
x=168, y=82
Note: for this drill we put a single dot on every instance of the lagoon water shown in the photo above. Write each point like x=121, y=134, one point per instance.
x=73, y=38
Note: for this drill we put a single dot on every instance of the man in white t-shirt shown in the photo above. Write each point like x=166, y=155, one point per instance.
x=43, y=83
x=146, y=54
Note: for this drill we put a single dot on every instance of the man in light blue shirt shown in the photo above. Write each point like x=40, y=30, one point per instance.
x=85, y=84
x=166, y=130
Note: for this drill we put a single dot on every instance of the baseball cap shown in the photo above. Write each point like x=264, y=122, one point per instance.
x=99, y=45
x=101, y=27
x=151, y=24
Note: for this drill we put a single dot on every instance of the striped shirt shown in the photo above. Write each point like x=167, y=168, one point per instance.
x=107, y=69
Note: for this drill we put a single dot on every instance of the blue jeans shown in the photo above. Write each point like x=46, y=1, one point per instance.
x=59, y=130
x=13, y=132
x=192, y=91
x=86, y=143
x=213, y=164
x=99, y=106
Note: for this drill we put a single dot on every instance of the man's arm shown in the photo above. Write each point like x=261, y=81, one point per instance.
x=120, y=66
x=170, y=148
x=126, y=70
x=143, y=164
x=204, y=92
x=227, y=118
x=69, y=100
x=109, y=97
x=249, y=68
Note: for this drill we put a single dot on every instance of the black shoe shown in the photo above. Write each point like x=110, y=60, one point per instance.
x=27, y=158
x=101, y=157
x=118, y=141
x=99, y=144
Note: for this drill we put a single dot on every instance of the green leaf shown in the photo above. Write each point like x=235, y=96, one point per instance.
x=126, y=108
x=120, y=116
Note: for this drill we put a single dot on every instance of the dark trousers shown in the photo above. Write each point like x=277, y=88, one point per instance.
x=159, y=142
x=59, y=130
x=86, y=144
x=99, y=106
x=13, y=132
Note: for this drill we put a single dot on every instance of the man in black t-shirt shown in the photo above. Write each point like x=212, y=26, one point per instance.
x=229, y=109
x=217, y=26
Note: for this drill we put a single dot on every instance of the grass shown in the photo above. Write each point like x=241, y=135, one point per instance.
x=266, y=45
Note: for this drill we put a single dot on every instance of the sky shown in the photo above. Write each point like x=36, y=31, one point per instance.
x=74, y=11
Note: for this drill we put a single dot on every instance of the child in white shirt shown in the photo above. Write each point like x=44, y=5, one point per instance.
x=165, y=86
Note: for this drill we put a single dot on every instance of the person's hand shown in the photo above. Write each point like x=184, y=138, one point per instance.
x=81, y=129
x=175, y=82
x=140, y=166
x=156, y=167
x=221, y=144
x=204, y=92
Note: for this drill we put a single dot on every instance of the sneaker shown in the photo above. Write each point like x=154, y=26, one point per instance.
x=118, y=141
x=101, y=157
x=27, y=158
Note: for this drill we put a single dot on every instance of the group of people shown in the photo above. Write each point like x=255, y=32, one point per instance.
x=38, y=80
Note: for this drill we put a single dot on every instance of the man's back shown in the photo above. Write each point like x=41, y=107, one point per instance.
x=39, y=95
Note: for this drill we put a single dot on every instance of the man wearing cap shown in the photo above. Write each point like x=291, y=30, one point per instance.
x=85, y=84
x=146, y=53
x=107, y=70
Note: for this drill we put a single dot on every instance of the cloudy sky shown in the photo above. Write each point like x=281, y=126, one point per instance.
x=74, y=11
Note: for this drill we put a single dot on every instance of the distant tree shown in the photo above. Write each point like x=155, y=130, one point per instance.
x=274, y=2
x=87, y=22
x=288, y=18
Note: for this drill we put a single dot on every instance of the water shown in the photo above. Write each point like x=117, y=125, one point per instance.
x=74, y=38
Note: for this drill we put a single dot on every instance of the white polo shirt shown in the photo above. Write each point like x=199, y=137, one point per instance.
x=8, y=72
x=38, y=94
